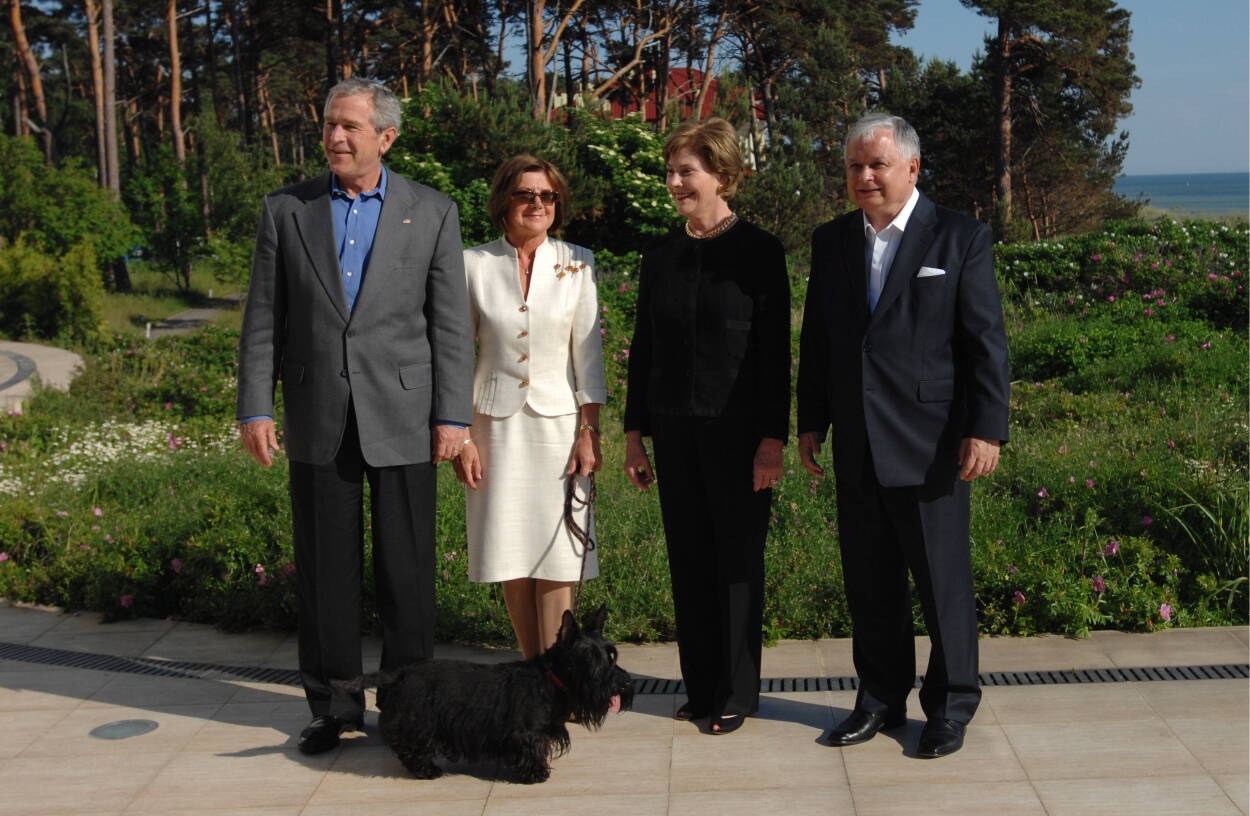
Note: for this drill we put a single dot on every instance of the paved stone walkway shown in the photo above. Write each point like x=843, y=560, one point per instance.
x=224, y=746
x=22, y=363
x=192, y=319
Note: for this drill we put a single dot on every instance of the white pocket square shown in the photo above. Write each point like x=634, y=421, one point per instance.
x=929, y=272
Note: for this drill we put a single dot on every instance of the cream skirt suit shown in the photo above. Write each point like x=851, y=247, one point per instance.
x=539, y=359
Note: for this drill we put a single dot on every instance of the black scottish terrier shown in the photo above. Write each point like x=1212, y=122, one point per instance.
x=515, y=712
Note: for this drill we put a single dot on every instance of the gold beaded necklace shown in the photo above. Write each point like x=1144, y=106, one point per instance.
x=714, y=231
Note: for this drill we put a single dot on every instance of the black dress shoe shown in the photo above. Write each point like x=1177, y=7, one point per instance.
x=940, y=738
x=862, y=726
x=322, y=733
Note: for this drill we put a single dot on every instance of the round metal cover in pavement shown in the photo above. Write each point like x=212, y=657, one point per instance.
x=123, y=729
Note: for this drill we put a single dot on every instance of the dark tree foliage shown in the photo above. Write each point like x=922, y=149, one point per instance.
x=791, y=75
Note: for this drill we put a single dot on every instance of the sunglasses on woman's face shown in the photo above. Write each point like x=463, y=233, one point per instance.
x=547, y=197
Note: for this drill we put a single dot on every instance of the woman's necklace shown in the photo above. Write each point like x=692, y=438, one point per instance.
x=714, y=231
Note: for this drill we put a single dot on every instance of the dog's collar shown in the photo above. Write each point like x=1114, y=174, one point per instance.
x=555, y=681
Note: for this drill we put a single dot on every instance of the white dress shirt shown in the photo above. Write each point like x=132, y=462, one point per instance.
x=545, y=350
x=883, y=246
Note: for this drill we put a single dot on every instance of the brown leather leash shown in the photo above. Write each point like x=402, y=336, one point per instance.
x=582, y=535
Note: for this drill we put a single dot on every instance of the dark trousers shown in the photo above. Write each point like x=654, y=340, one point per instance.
x=715, y=526
x=327, y=504
x=885, y=532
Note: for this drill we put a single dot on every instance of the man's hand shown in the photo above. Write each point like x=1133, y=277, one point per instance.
x=446, y=443
x=977, y=457
x=809, y=449
x=259, y=440
x=637, y=464
x=766, y=467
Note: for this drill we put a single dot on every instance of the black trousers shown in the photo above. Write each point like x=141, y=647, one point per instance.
x=327, y=504
x=886, y=532
x=715, y=526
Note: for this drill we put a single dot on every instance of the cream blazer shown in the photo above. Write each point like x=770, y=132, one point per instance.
x=545, y=351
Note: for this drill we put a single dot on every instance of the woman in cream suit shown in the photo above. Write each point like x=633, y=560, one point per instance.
x=537, y=389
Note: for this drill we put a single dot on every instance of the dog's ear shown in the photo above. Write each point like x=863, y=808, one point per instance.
x=595, y=622
x=568, y=626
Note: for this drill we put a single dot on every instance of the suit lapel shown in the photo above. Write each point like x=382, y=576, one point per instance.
x=853, y=261
x=911, y=251
x=389, y=238
x=550, y=277
x=313, y=221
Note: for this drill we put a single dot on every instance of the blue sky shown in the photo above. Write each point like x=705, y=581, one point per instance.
x=1190, y=114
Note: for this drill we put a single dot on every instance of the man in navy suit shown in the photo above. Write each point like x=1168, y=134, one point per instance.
x=903, y=354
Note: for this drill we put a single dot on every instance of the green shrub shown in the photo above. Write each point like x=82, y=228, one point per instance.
x=50, y=298
x=77, y=211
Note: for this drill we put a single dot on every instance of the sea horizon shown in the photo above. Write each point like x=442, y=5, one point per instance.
x=1190, y=194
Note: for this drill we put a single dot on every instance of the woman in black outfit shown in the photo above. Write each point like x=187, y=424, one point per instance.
x=709, y=382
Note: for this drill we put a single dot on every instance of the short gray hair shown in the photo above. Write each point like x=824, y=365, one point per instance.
x=386, y=110
x=905, y=137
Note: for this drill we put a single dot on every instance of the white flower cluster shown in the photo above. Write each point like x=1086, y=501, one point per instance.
x=75, y=452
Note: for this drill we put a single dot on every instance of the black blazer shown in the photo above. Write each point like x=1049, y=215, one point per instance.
x=926, y=369
x=712, y=333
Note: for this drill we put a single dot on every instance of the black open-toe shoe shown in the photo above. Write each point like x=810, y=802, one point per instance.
x=688, y=712
x=726, y=724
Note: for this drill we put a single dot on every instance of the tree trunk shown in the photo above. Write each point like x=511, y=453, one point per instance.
x=537, y=65
x=27, y=58
x=332, y=55
x=109, y=62
x=661, y=84
x=1003, y=162
x=710, y=63
x=175, y=85
x=428, y=27
x=271, y=122
x=20, y=113
x=97, y=89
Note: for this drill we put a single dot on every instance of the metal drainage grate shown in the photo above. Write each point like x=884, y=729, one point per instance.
x=146, y=665
x=642, y=685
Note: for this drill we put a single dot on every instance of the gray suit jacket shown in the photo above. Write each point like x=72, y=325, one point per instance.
x=403, y=356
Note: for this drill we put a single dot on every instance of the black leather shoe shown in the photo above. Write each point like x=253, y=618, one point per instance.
x=940, y=738
x=322, y=733
x=862, y=726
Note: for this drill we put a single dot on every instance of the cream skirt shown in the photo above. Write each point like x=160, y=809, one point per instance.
x=515, y=519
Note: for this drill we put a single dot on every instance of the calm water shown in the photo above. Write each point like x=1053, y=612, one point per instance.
x=1192, y=193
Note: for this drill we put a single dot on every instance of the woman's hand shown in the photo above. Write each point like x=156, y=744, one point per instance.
x=469, y=466
x=637, y=465
x=586, y=457
x=767, y=465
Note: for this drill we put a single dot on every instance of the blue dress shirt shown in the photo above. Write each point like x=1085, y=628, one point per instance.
x=355, y=222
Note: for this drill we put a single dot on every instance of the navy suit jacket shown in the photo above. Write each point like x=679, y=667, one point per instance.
x=923, y=371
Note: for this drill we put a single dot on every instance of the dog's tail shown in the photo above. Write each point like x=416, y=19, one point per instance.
x=365, y=681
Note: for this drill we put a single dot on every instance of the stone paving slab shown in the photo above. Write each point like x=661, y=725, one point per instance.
x=223, y=746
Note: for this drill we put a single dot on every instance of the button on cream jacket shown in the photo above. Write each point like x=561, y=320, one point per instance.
x=545, y=351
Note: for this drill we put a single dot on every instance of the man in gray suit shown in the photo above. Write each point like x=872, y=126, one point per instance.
x=357, y=303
